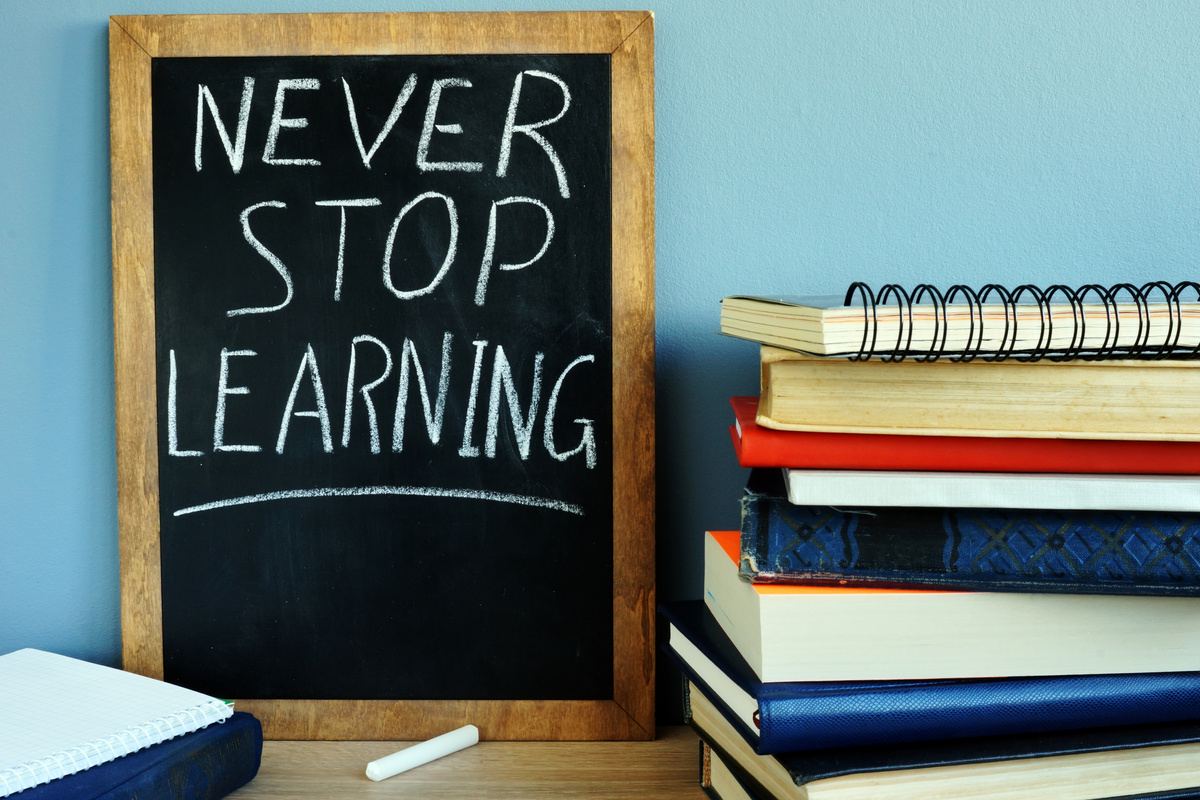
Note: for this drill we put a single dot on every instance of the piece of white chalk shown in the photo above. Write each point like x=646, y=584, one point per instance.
x=422, y=753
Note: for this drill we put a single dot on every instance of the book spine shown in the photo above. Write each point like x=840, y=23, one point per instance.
x=795, y=718
x=1112, y=552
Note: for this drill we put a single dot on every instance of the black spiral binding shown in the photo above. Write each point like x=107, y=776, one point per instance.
x=1026, y=295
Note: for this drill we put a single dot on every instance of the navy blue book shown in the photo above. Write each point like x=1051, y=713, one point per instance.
x=1145, y=761
x=787, y=717
x=1110, y=552
x=203, y=765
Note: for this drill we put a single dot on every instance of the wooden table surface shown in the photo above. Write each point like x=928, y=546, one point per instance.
x=664, y=769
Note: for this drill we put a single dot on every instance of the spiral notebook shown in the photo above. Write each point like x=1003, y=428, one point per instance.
x=1156, y=320
x=59, y=715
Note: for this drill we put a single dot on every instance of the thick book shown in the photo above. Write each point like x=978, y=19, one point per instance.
x=998, y=325
x=840, y=633
x=1123, y=399
x=785, y=717
x=757, y=446
x=995, y=549
x=1159, y=762
x=206, y=764
x=1075, y=492
x=60, y=715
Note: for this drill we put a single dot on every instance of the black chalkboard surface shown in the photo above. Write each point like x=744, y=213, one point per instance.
x=387, y=381
x=314, y=303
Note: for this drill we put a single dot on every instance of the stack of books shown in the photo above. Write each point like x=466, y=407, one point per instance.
x=968, y=565
x=72, y=730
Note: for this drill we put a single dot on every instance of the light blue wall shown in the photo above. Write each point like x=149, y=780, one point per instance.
x=801, y=145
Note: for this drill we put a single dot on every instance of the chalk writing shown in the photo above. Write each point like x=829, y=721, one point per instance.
x=384, y=326
x=519, y=234
x=375, y=491
x=397, y=108
x=342, y=205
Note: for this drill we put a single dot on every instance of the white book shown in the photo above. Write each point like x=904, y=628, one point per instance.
x=842, y=633
x=1068, y=492
x=60, y=715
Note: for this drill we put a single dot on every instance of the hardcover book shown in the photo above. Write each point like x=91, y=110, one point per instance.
x=785, y=717
x=1029, y=550
x=1151, y=761
x=757, y=446
x=834, y=633
x=1079, y=492
x=1122, y=399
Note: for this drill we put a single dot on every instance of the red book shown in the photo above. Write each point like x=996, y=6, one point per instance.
x=757, y=446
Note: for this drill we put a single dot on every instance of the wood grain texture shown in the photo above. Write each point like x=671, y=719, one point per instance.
x=628, y=36
x=382, y=33
x=512, y=720
x=633, y=372
x=133, y=335
x=664, y=769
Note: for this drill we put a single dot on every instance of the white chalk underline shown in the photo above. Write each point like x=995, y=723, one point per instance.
x=372, y=491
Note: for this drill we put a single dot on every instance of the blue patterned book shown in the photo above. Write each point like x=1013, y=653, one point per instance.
x=1109, y=552
x=787, y=717
x=204, y=765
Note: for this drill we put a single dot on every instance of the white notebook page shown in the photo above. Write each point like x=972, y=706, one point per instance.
x=59, y=715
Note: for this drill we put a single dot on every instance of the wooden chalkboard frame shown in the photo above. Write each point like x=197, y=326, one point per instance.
x=629, y=38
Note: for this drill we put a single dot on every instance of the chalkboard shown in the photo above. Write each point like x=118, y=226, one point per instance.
x=386, y=449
